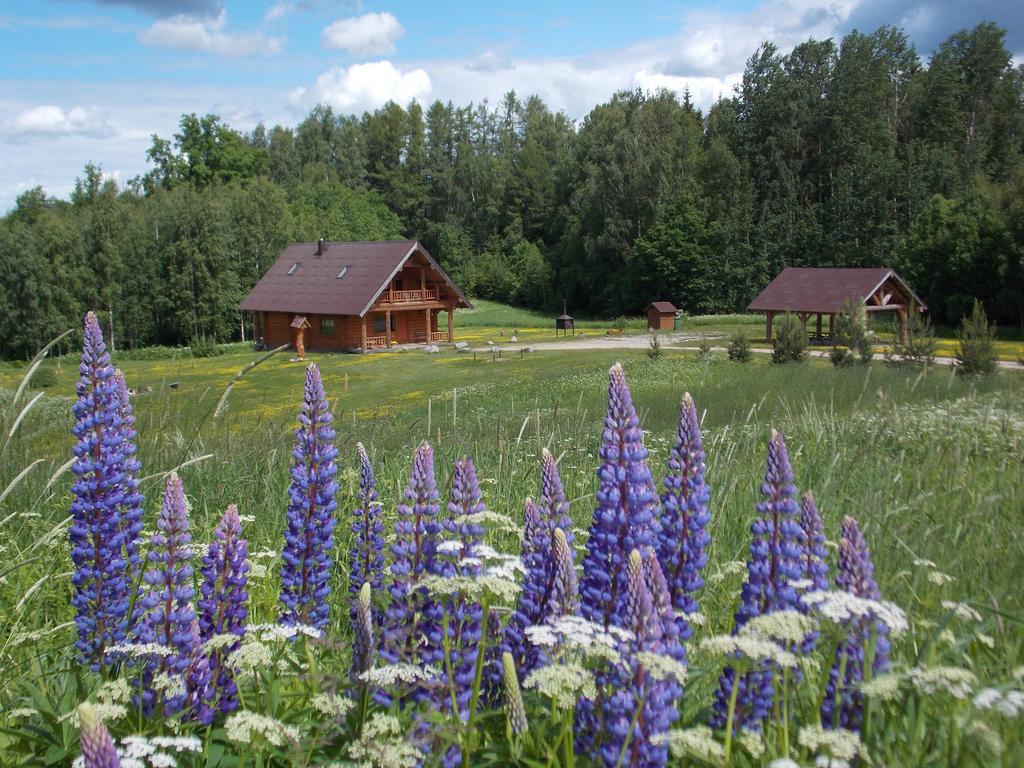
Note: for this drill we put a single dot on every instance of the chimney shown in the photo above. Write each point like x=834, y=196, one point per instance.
x=320, y=247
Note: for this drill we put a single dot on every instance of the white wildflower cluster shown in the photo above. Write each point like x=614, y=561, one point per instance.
x=782, y=626
x=25, y=638
x=331, y=704
x=752, y=743
x=270, y=633
x=752, y=648
x=449, y=547
x=562, y=683
x=117, y=691
x=842, y=607
x=985, y=739
x=148, y=751
x=474, y=587
x=383, y=745
x=987, y=640
x=393, y=674
x=242, y=726
x=264, y=554
x=838, y=743
x=962, y=610
x=170, y=686
x=251, y=658
x=883, y=687
x=508, y=567
x=956, y=681
x=939, y=578
x=662, y=667
x=220, y=642
x=921, y=562
x=577, y=635
x=105, y=712
x=258, y=571
x=783, y=762
x=140, y=650
x=21, y=713
x=1007, y=704
x=697, y=742
x=695, y=619
x=496, y=520
x=731, y=568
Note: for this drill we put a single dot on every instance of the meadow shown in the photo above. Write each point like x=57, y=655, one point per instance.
x=930, y=464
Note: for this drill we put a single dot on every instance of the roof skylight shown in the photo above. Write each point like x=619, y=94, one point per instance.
x=294, y=268
x=343, y=271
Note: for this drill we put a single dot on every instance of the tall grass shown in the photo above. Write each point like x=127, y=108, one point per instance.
x=929, y=464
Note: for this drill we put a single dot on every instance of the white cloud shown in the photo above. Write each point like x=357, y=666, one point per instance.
x=365, y=86
x=48, y=121
x=368, y=35
x=207, y=35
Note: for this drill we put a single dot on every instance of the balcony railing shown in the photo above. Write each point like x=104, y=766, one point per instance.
x=438, y=336
x=408, y=297
x=376, y=342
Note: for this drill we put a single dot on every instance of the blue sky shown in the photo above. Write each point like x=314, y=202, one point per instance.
x=92, y=80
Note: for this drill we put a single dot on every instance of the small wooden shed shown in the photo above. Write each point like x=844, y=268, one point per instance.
x=565, y=323
x=661, y=316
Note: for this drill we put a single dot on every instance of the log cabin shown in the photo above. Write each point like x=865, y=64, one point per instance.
x=353, y=296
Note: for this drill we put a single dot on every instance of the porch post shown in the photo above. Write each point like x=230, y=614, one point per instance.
x=904, y=322
x=818, y=327
x=451, y=334
x=426, y=312
x=768, y=316
x=362, y=329
x=831, y=326
x=387, y=326
x=423, y=280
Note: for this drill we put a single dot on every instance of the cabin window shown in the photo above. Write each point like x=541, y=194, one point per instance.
x=380, y=324
x=343, y=271
x=326, y=326
x=294, y=267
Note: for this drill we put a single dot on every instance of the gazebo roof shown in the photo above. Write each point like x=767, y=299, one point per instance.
x=827, y=290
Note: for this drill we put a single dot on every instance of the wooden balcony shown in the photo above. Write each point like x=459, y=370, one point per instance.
x=409, y=297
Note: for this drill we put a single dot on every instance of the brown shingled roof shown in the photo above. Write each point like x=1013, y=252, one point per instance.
x=825, y=289
x=665, y=307
x=314, y=288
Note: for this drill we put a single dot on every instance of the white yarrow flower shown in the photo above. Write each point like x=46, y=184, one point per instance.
x=662, y=667
x=242, y=726
x=562, y=683
x=697, y=742
x=956, y=681
x=962, y=610
x=838, y=743
x=332, y=705
x=782, y=626
x=392, y=674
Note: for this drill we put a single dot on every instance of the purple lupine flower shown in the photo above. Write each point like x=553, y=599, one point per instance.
x=554, y=509
x=631, y=684
x=624, y=519
x=414, y=550
x=813, y=558
x=463, y=616
x=200, y=694
x=309, y=535
x=131, y=502
x=367, y=556
x=774, y=564
x=683, y=539
x=564, y=599
x=842, y=705
x=97, y=531
x=98, y=749
x=167, y=615
x=223, y=601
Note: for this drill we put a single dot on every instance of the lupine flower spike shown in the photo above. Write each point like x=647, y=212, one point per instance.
x=166, y=602
x=514, y=708
x=843, y=704
x=624, y=520
x=633, y=685
x=98, y=749
x=98, y=525
x=413, y=558
x=367, y=557
x=199, y=683
x=463, y=617
x=363, y=649
x=131, y=502
x=774, y=564
x=683, y=539
x=309, y=536
x=554, y=509
x=223, y=601
x=813, y=558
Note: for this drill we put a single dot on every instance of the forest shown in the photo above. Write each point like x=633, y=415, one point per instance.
x=857, y=152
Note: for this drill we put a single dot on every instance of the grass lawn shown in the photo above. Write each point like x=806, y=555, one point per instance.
x=931, y=465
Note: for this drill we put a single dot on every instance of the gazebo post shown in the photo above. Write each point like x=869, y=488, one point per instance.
x=818, y=327
x=768, y=317
x=831, y=325
x=387, y=326
x=904, y=322
x=451, y=323
x=362, y=329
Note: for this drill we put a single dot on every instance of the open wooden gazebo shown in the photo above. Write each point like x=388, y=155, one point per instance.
x=818, y=291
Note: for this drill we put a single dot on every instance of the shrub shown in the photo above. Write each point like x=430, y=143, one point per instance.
x=205, y=346
x=789, y=343
x=920, y=345
x=654, y=347
x=45, y=376
x=976, y=339
x=852, y=340
x=704, y=346
x=739, y=347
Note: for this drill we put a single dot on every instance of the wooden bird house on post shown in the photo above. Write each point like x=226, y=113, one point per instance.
x=299, y=325
x=565, y=323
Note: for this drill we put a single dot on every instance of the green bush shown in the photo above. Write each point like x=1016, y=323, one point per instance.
x=739, y=347
x=852, y=341
x=977, y=343
x=205, y=347
x=704, y=346
x=654, y=348
x=920, y=345
x=45, y=376
x=789, y=342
